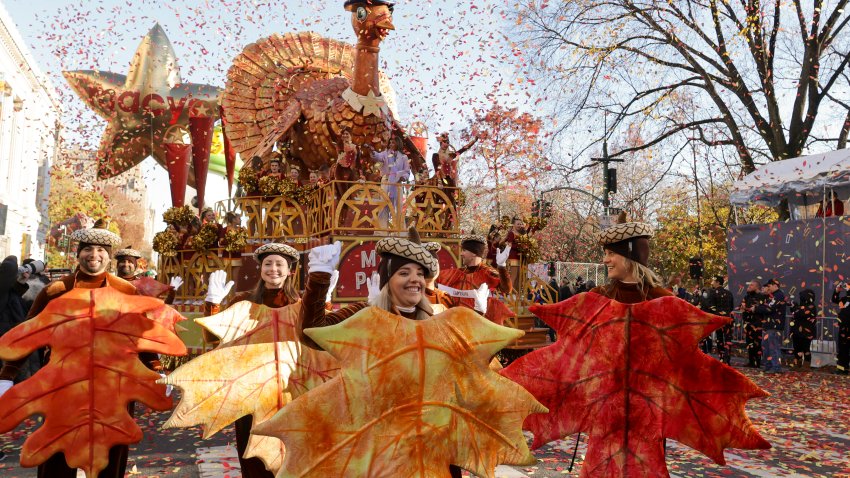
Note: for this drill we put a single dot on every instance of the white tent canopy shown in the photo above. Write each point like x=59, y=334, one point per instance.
x=793, y=178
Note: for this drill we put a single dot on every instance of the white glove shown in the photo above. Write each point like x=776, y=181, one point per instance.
x=176, y=282
x=502, y=256
x=324, y=258
x=373, y=285
x=217, y=288
x=332, y=285
x=168, y=388
x=481, y=296
x=5, y=385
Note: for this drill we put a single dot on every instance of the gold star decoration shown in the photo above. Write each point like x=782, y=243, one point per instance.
x=148, y=107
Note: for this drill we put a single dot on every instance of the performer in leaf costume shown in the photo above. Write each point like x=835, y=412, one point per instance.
x=415, y=396
x=126, y=261
x=627, y=371
x=274, y=289
x=98, y=329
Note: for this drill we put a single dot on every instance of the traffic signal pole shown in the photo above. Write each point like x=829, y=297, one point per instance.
x=609, y=176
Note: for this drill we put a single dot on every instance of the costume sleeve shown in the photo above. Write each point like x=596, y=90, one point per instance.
x=313, y=312
x=506, y=284
x=169, y=299
x=435, y=161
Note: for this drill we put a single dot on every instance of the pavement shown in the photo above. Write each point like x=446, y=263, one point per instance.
x=806, y=419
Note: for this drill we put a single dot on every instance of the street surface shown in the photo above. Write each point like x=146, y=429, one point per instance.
x=806, y=419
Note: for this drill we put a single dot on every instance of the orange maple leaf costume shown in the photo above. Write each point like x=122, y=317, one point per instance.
x=104, y=357
x=123, y=327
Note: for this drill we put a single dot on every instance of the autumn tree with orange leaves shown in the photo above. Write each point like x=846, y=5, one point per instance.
x=507, y=157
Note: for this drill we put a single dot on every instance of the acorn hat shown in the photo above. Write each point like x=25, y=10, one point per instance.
x=397, y=251
x=96, y=236
x=276, y=248
x=128, y=252
x=474, y=243
x=629, y=239
x=433, y=247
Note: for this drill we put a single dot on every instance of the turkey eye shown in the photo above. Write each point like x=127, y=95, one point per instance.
x=362, y=13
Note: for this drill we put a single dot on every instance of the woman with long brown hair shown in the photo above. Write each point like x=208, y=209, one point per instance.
x=274, y=289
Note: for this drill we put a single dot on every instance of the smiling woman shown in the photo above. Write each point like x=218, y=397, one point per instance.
x=626, y=254
x=274, y=289
x=400, y=286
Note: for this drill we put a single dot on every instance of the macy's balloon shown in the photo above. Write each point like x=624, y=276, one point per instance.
x=147, y=108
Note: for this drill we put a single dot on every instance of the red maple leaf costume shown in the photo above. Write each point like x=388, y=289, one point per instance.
x=631, y=375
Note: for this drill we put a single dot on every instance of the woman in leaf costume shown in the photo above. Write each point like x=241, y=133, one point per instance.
x=626, y=254
x=627, y=372
x=274, y=289
x=406, y=265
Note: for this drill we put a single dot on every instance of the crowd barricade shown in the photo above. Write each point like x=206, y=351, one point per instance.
x=823, y=342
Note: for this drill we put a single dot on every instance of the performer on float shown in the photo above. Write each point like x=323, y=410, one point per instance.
x=518, y=228
x=346, y=164
x=276, y=288
x=93, y=257
x=463, y=282
x=127, y=263
x=275, y=169
x=626, y=255
x=295, y=174
x=395, y=169
x=445, y=160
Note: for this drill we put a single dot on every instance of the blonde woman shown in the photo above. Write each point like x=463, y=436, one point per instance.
x=626, y=255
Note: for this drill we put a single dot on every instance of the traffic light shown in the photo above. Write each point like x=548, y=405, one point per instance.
x=535, y=208
x=612, y=180
x=547, y=209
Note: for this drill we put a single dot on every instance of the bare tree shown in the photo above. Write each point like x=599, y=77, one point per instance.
x=760, y=77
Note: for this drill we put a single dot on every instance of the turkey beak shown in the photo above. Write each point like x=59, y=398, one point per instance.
x=386, y=23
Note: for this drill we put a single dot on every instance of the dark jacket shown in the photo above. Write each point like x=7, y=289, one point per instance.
x=12, y=308
x=564, y=293
x=760, y=312
x=804, y=315
x=724, y=302
x=778, y=310
x=843, y=312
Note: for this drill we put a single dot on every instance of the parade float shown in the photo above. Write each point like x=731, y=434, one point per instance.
x=276, y=133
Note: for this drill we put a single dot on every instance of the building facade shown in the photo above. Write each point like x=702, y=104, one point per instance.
x=29, y=137
x=126, y=195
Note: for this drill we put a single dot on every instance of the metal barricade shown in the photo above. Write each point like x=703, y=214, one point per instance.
x=826, y=332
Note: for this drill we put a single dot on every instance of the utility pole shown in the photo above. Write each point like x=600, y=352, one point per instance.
x=609, y=175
